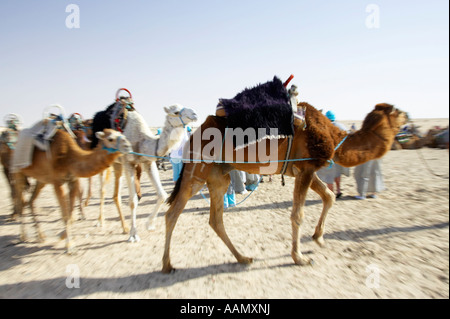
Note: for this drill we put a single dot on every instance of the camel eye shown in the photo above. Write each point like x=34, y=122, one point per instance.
x=176, y=113
x=110, y=139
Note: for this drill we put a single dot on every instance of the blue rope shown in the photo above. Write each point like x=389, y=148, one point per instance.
x=331, y=164
x=221, y=162
x=111, y=150
x=335, y=149
x=339, y=145
x=187, y=160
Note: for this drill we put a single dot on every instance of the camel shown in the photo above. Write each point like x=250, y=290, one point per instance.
x=8, y=139
x=143, y=141
x=6, y=151
x=82, y=129
x=316, y=144
x=67, y=163
x=412, y=139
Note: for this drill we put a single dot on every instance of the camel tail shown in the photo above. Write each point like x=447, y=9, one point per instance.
x=176, y=189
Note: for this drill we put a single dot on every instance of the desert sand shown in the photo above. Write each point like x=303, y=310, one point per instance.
x=395, y=246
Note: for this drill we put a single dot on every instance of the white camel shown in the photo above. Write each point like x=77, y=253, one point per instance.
x=143, y=141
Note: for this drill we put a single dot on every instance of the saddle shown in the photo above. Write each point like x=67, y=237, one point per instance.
x=115, y=116
x=39, y=135
x=264, y=109
x=9, y=138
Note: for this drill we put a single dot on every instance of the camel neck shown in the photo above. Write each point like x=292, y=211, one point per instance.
x=362, y=146
x=169, y=138
x=90, y=163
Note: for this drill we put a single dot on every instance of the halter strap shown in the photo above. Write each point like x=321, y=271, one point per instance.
x=112, y=150
x=181, y=117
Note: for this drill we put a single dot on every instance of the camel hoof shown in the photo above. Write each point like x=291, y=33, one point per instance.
x=302, y=260
x=126, y=230
x=70, y=250
x=245, y=260
x=168, y=269
x=63, y=235
x=41, y=238
x=151, y=226
x=319, y=241
x=134, y=239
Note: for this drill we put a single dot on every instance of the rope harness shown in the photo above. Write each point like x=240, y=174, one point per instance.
x=190, y=160
x=112, y=150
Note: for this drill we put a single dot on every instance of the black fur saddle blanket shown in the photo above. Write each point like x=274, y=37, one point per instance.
x=114, y=117
x=264, y=109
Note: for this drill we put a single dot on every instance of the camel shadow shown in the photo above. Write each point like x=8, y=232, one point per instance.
x=369, y=234
x=16, y=251
x=56, y=287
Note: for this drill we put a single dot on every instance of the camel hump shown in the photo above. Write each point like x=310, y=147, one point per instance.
x=386, y=107
x=266, y=106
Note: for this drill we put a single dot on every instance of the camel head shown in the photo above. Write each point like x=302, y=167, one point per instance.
x=114, y=141
x=385, y=112
x=178, y=115
x=396, y=117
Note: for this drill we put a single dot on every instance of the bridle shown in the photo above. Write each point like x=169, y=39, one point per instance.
x=112, y=150
x=180, y=117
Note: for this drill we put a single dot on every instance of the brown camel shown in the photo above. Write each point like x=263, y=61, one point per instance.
x=6, y=151
x=8, y=139
x=317, y=142
x=83, y=138
x=67, y=163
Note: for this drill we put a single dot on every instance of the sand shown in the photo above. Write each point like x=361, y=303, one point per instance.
x=395, y=246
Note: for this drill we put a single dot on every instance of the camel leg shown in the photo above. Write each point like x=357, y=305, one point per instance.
x=12, y=189
x=137, y=181
x=192, y=180
x=80, y=199
x=117, y=197
x=328, y=199
x=171, y=219
x=19, y=186
x=302, y=183
x=160, y=193
x=37, y=189
x=89, y=192
x=101, y=216
x=133, y=201
x=76, y=192
x=218, y=185
x=66, y=215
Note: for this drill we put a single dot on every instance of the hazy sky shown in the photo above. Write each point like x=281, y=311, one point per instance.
x=195, y=52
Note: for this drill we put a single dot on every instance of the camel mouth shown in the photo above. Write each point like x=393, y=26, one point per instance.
x=127, y=149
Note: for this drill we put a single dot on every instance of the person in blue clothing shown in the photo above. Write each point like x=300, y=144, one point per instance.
x=176, y=155
x=332, y=175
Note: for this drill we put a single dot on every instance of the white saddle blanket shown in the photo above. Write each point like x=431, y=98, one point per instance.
x=39, y=136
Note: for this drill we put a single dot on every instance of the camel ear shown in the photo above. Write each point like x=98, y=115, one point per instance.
x=166, y=109
x=100, y=135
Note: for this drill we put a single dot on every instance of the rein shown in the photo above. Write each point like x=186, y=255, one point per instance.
x=181, y=117
x=112, y=150
x=187, y=160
